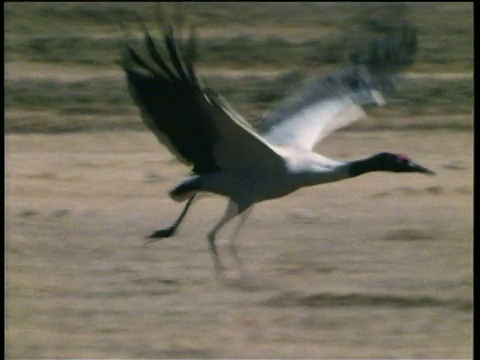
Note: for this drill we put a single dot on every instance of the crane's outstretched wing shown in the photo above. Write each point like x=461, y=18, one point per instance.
x=196, y=124
x=321, y=105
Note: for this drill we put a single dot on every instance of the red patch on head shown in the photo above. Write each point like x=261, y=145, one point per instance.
x=403, y=157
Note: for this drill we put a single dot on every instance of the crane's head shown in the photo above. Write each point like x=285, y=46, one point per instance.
x=398, y=163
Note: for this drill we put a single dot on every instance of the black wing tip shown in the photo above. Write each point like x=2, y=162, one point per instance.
x=161, y=80
x=391, y=53
x=172, y=60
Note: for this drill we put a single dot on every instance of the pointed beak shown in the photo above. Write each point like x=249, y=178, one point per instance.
x=420, y=169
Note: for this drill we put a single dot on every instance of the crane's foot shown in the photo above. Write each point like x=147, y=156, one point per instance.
x=160, y=234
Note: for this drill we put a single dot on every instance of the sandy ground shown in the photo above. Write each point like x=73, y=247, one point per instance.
x=378, y=266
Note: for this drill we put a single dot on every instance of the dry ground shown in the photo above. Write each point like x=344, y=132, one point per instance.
x=378, y=266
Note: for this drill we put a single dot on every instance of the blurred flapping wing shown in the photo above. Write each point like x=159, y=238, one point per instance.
x=322, y=105
x=388, y=56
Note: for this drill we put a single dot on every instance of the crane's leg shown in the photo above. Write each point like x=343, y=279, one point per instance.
x=170, y=231
x=233, y=249
x=230, y=213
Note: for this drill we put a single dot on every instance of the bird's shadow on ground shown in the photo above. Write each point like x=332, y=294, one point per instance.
x=245, y=282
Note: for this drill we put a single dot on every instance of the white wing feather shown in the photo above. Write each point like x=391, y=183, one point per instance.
x=307, y=127
x=319, y=107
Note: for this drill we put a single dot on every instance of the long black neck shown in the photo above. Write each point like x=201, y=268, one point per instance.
x=359, y=167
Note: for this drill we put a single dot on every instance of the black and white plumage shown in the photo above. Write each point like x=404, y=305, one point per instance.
x=249, y=165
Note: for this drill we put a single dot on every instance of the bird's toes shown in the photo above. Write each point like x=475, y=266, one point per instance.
x=159, y=234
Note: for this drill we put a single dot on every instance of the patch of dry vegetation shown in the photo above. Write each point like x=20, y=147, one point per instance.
x=379, y=267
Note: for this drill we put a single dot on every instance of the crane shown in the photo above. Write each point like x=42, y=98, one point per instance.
x=248, y=164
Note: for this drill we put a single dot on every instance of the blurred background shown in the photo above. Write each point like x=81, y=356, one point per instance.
x=379, y=267
x=60, y=58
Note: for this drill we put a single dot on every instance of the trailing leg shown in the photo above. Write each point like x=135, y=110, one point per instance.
x=230, y=213
x=233, y=249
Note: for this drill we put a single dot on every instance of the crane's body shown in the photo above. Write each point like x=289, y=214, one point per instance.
x=255, y=183
x=250, y=164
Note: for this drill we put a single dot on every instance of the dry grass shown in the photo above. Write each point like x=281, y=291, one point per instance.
x=379, y=266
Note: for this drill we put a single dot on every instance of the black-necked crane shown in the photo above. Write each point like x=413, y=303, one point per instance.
x=250, y=164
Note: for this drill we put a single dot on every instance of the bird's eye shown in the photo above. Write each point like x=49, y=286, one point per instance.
x=403, y=160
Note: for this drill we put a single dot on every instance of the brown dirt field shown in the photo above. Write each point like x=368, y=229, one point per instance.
x=378, y=266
